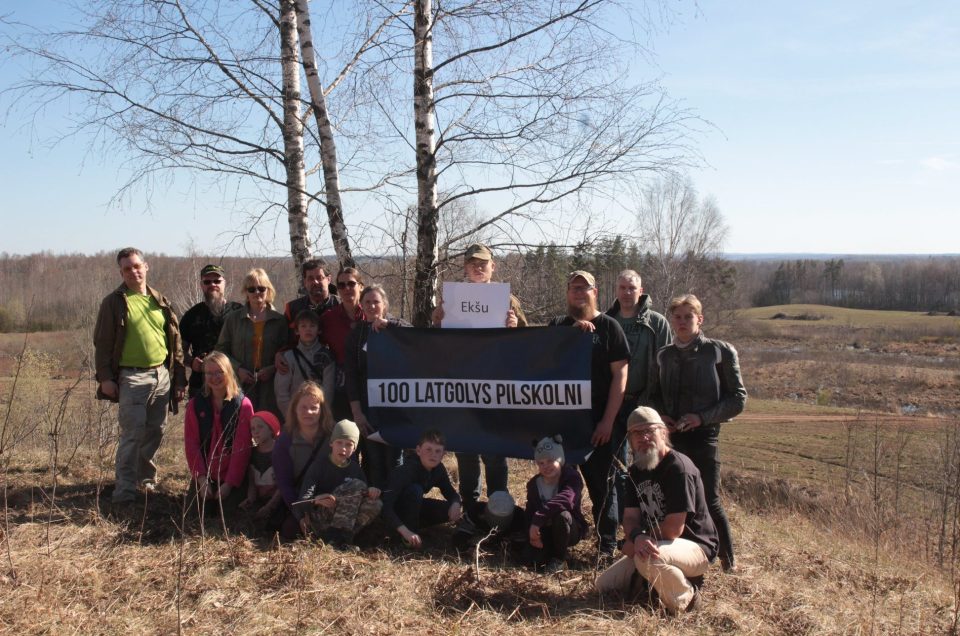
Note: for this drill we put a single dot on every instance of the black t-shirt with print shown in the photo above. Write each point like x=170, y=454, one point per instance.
x=672, y=486
x=609, y=345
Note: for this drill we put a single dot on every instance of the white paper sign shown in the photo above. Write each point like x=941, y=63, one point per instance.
x=475, y=305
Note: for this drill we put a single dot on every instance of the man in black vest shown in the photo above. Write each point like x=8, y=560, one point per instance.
x=202, y=323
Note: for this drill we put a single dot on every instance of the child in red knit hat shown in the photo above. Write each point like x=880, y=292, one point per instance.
x=263, y=497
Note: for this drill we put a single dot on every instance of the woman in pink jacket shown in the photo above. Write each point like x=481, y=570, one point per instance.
x=216, y=435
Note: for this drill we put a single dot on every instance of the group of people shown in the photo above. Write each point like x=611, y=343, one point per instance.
x=277, y=416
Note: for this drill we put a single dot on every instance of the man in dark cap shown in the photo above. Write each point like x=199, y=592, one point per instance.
x=201, y=325
x=478, y=267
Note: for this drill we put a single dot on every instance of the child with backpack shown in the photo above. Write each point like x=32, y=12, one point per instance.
x=309, y=360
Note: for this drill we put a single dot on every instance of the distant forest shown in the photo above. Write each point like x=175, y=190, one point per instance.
x=43, y=292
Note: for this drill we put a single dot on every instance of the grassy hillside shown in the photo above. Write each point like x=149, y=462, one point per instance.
x=857, y=318
x=843, y=509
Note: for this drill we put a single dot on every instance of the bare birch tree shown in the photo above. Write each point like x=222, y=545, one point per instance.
x=328, y=147
x=293, y=135
x=524, y=108
x=200, y=88
x=428, y=215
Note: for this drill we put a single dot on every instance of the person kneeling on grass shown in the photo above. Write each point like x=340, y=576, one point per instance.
x=671, y=539
x=404, y=507
x=554, y=515
x=335, y=501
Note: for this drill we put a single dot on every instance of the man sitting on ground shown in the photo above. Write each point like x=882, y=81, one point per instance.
x=671, y=540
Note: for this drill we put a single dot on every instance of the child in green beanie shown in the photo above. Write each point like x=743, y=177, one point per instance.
x=335, y=501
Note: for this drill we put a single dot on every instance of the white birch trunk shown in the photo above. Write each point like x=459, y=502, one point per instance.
x=425, y=275
x=328, y=148
x=293, y=136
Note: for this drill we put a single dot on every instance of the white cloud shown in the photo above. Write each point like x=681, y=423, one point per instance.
x=940, y=164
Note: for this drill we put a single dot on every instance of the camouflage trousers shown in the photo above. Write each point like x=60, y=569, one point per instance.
x=353, y=511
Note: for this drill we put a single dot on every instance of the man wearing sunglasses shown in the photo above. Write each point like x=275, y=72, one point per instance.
x=140, y=366
x=202, y=323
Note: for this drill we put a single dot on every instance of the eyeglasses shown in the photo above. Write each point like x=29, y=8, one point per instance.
x=258, y=289
x=212, y=281
x=644, y=432
x=343, y=284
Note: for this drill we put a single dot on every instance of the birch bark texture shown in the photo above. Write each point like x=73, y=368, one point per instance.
x=293, y=136
x=425, y=272
x=328, y=148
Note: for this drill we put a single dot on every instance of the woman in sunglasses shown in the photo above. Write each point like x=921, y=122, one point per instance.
x=335, y=326
x=251, y=338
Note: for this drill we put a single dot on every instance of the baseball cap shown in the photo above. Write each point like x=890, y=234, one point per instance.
x=643, y=416
x=587, y=276
x=478, y=250
x=211, y=269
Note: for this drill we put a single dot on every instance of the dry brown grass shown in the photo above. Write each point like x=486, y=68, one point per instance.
x=79, y=570
x=813, y=558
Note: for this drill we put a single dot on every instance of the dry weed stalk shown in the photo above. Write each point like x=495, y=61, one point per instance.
x=5, y=459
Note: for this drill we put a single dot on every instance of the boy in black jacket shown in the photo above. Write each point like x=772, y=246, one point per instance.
x=404, y=507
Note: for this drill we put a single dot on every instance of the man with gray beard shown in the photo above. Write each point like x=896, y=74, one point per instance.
x=670, y=538
x=202, y=323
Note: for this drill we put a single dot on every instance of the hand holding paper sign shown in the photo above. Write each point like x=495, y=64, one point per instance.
x=468, y=305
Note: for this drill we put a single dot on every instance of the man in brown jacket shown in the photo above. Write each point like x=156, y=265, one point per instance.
x=138, y=358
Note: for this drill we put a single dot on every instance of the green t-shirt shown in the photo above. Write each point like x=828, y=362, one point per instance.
x=633, y=331
x=145, y=344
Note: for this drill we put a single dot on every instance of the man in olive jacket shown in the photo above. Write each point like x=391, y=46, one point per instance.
x=646, y=331
x=138, y=358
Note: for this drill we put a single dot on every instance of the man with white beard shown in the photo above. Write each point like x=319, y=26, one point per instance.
x=202, y=323
x=670, y=536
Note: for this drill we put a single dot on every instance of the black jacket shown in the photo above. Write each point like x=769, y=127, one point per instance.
x=703, y=379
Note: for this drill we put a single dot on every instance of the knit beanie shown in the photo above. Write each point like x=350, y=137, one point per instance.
x=549, y=448
x=346, y=429
x=270, y=420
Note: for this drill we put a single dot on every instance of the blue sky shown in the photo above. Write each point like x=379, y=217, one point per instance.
x=836, y=130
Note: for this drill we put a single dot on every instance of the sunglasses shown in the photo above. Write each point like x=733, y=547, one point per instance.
x=344, y=284
x=212, y=281
x=259, y=288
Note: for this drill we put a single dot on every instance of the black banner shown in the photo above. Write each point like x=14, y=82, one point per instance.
x=489, y=391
